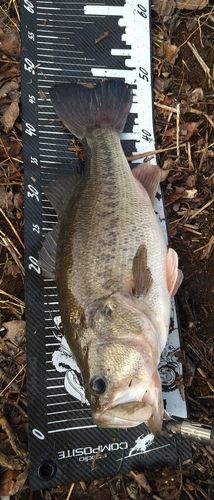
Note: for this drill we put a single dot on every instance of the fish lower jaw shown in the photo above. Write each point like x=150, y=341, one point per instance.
x=124, y=416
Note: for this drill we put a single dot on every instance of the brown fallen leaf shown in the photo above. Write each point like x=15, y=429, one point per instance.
x=12, y=481
x=10, y=42
x=6, y=198
x=14, y=270
x=7, y=87
x=9, y=148
x=15, y=328
x=191, y=4
x=170, y=198
x=18, y=199
x=141, y=480
x=9, y=70
x=10, y=116
x=170, y=52
x=186, y=130
x=164, y=8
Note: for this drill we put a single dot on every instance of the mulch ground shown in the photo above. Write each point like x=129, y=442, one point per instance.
x=183, y=70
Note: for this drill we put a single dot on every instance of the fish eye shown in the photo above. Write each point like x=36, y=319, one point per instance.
x=97, y=386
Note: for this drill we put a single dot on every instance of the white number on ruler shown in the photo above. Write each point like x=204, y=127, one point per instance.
x=33, y=160
x=36, y=228
x=142, y=11
x=31, y=99
x=38, y=434
x=34, y=264
x=29, y=6
x=31, y=35
x=29, y=129
x=32, y=192
x=29, y=66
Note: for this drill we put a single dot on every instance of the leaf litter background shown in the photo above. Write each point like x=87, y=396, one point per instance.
x=183, y=72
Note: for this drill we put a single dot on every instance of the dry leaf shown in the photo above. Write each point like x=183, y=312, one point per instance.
x=7, y=87
x=164, y=8
x=9, y=70
x=191, y=180
x=10, y=42
x=186, y=130
x=172, y=197
x=10, y=116
x=15, y=328
x=170, y=52
x=191, y=4
x=14, y=270
x=12, y=481
x=141, y=480
x=5, y=198
x=18, y=199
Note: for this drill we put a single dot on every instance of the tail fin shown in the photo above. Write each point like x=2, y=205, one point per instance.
x=83, y=109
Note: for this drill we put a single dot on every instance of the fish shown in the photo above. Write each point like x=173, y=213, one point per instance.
x=114, y=273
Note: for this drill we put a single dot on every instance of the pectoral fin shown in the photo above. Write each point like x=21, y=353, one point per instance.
x=174, y=276
x=141, y=274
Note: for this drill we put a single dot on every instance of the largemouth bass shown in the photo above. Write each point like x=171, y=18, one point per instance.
x=114, y=274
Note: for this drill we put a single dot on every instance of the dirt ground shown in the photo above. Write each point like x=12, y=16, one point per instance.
x=183, y=71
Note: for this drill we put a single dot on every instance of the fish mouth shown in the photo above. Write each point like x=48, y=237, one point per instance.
x=124, y=415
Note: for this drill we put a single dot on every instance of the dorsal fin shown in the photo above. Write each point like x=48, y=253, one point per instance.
x=58, y=190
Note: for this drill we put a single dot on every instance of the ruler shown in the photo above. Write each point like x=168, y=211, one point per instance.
x=81, y=41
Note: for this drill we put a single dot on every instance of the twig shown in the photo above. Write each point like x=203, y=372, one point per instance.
x=70, y=491
x=11, y=20
x=204, y=152
x=16, y=8
x=200, y=60
x=7, y=243
x=178, y=129
x=17, y=302
x=188, y=493
x=202, y=208
x=11, y=381
x=204, y=376
x=9, y=157
x=190, y=110
x=12, y=227
x=154, y=152
x=209, y=244
x=198, y=488
x=191, y=166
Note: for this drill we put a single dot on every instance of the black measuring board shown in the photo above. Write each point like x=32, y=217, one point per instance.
x=61, y=43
